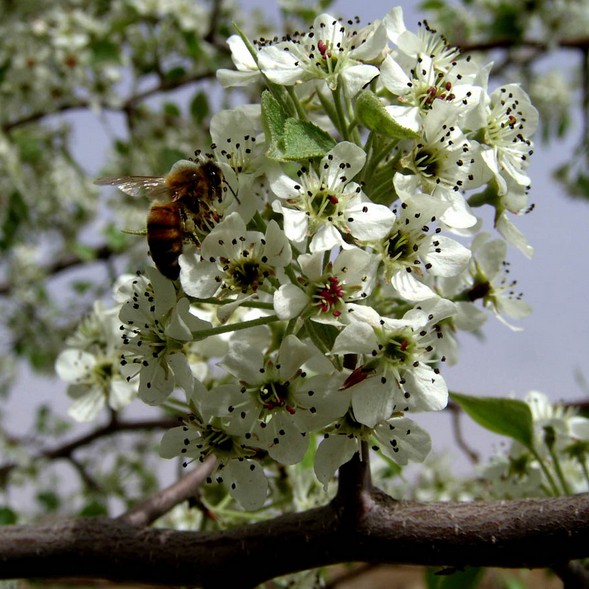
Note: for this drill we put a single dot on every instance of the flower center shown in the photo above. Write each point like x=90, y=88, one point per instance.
x=274, y=395
x=329, y=295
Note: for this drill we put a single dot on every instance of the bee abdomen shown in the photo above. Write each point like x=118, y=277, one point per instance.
x=164, y=237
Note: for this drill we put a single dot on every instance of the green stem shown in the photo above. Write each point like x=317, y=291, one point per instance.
x=584, y=468
x=553, y=486
x=559, y=473
x=216, y=301
x=204, y=333
x=301, y=112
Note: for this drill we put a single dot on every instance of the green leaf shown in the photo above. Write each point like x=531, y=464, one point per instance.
x=8, y=517
x=49, y=500
x=171, y=109
x=304, y=140
x=94, y=509
x=17, y=214
x=86, y=253
x=115, y=238
x=175, y=74
x=373, y=115
x=199, y=107
x=105, y=52
x=291, y=139
x=273, y=119
x=506, y=417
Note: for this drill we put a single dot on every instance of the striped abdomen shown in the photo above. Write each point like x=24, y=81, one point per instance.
x=165, y=234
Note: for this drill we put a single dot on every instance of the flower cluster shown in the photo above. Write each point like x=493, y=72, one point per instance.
x=349, y=256
x=554, y=463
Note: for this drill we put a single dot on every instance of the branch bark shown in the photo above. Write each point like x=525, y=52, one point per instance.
x=532, y=533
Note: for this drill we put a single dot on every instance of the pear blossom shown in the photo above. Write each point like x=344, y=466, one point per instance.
x=399, y=438
x=247, y=72
x=327, y=204
x=415, y=251
x=442, y=154
x=394, y=371
x=276, y=402
x=233, y=260
x=236, y=468
x=507, y=146
x=322, y=294
x=486, y=278
x=238, y=147
x=331, y=51
x=92, y=366
x=156, y=328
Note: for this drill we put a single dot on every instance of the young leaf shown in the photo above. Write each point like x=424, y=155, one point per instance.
x=304, y=140
x=373, y=115
x=506, y=417
x=274, y=120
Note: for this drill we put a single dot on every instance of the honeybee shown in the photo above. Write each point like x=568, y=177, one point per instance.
x=183, y=207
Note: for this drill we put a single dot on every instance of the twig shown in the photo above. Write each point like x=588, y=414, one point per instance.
x=456, y=411
x=146, y=512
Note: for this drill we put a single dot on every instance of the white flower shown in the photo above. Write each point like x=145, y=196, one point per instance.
x=414, y=250
x=512, y=120
x=247, y=67
x=330, y=51
x=398, y=437
x=322, y=294
x=243, y=477
x=157, y=328
x=326, y=205
x=393, y=372
x=486, y=278
x=417, y=89
x=239, y=148
x=92, y=366
x=233, y=260
x=276, y=404
x=442, y=154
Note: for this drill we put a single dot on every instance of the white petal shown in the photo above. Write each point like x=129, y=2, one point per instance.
x=88, y=406
x=74, y=365
x=198, y=278
x=372, y=400
x=289, y=301
x=333, y=451
x=356, y=338
x=246, y=482
x=428, y=390
x=410, y=288
x=172, y=442
x=371, y=221
x=403, y=440
x=452, y=258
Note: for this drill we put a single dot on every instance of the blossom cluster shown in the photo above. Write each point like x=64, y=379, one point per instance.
x=555, y=463
x=342, y=258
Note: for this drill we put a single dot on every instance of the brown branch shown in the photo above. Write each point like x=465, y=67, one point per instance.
x=151, y=509
x=111, y=428
x=456, y=411
x=114, y=426
x=100, y=253
x=533, y=533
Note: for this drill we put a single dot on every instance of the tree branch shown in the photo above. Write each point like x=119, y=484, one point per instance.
x=154, y=507
x=512, y=534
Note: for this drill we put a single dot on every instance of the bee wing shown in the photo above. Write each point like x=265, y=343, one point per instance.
x=150, y=186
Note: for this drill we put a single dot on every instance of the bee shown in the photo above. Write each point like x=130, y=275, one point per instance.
x=183, y=206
